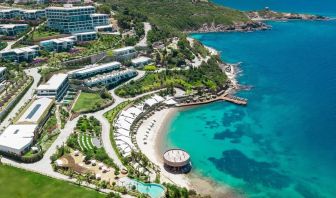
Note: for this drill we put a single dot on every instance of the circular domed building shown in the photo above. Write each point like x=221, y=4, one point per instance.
x=177, y=160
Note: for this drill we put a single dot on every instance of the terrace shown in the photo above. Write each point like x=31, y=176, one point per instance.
x=111, y=78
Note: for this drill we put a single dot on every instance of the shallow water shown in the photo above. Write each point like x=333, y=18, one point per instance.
x=283, y=143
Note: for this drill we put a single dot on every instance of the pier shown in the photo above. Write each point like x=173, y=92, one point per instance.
x=225, y=97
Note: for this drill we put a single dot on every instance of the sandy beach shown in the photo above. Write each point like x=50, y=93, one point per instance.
x=153, y=149
x=153, y=139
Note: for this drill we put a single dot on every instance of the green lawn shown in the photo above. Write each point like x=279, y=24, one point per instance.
x=38, y=35
x=88, y=102
x=85, y=141
x=2, y=45
x=17, y=183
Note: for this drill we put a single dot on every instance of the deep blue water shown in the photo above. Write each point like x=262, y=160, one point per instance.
x=283, y=144
x=323, y=7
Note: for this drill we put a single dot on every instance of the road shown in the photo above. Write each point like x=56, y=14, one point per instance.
x=143, y=41
x=28, y=95
x=44, y=165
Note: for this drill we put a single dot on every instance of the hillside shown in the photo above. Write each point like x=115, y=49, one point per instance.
x=180, y=15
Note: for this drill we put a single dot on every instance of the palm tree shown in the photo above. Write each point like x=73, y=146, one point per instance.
x=88, y=178
x=79, y=180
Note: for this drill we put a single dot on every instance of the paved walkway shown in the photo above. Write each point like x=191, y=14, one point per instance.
x=58, y=116
x=143, y=41
x=44, y=165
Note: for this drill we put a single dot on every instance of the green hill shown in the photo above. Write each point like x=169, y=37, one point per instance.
x=179, y=15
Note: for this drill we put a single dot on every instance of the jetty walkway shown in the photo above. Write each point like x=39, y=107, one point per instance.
x=225, y=97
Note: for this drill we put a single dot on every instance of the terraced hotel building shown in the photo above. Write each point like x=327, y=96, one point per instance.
x=72, y=19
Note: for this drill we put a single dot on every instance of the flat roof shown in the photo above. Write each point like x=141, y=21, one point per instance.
x=54, y=82
x=22, y=50
x=176, y=156
x=99, y=14
x=104, y=26
x=108, y=75
x=124, y=49
x=94, y=68
x=33, y=11
x=84, y=33
x=18, y=136
x=60, y=40
x=140, y=59
x=12, y=25
x=69, y=7
x=36, y=111
x=9, y=10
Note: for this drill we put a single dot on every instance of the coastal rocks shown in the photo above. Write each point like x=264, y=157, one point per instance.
x=237, y=27
x=255, y=24
x=267, y=14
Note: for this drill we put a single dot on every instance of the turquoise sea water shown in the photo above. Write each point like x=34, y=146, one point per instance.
x=283, y=144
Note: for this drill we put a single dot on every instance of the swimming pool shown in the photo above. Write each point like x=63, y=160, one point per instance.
x=153, y=190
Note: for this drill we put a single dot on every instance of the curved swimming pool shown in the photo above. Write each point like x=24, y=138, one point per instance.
x=152, y=189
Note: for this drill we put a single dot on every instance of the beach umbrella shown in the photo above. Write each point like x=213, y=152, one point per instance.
x=93, y=162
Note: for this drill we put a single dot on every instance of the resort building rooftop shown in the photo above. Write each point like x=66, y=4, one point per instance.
x=153, y=100
x=54, y=82
x=20, y=54
x=140, y=59
x=56, y=87
x=123, y=49
x=95, y=69
x=69, y=7
x=111, y=78
x=2, y=75
x=17, y=138
x=98, y=14
x=23, y=49
x=36, y=112
x=12, y=25
x=176, y=158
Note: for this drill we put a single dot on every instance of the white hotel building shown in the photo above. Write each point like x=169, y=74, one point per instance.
x=125, y=53
x=37, y=112
x=2, y=73
x=141, y=61
x=60, y=44
x=56, y=87
x=112, y=78
x=20, y=54
x=72, y=19
x=17, y=138
x=94, y=70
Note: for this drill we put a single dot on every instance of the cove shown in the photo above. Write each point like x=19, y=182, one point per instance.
x=283, y=143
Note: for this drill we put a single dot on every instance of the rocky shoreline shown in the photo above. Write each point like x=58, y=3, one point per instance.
x=249, y=26
x=270, y=15
x=256, y=23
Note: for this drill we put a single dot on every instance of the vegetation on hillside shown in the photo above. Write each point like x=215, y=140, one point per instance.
x=177, y=15
x=2, y=45
x=208, y=75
